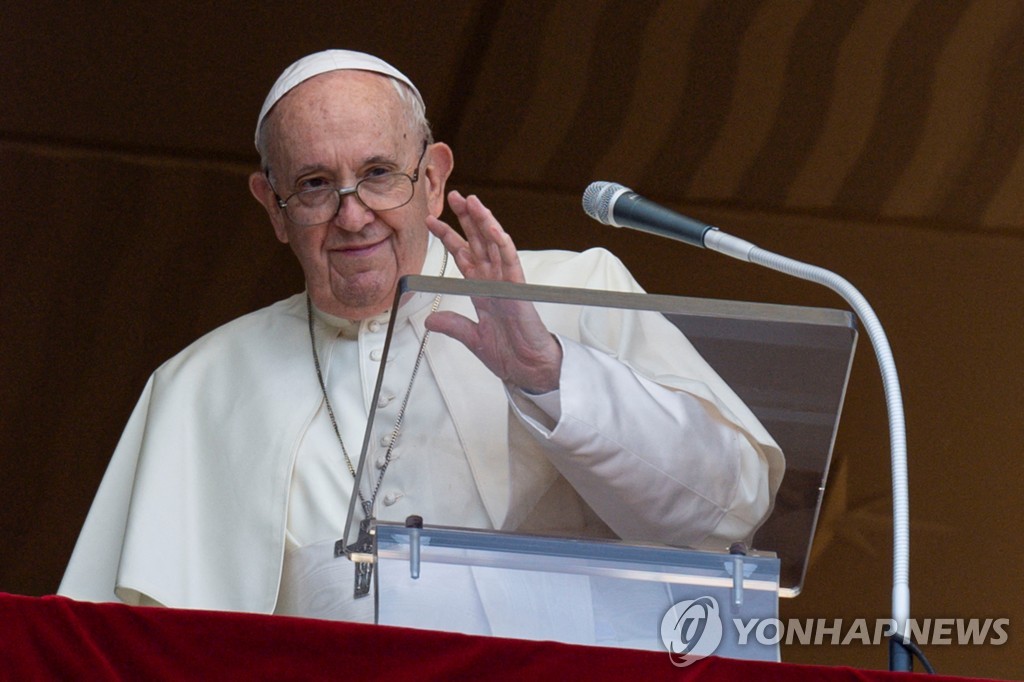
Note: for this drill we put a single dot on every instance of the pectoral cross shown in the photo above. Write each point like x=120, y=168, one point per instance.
x=362, y=555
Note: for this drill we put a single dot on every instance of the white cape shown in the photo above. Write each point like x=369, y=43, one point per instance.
x=192, y=510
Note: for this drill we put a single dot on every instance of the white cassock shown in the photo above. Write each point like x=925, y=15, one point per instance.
x=229, y=460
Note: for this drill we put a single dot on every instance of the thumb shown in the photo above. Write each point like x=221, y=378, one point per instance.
x=456, y=326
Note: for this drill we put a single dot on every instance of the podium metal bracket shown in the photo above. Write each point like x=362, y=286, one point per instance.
x=415, y=525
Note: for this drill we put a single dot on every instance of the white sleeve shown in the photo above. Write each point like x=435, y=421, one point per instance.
x=655, y=463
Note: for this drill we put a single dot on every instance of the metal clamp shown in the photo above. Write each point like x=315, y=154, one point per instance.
x=414, y=524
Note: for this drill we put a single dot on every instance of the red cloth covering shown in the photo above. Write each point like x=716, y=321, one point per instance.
x=58, y=638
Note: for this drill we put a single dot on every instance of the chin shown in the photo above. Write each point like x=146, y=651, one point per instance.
x=358, y=304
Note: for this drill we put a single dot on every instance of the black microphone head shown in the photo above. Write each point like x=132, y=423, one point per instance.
x=599, y=200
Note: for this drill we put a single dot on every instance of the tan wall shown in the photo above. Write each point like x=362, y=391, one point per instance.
x=882, y=140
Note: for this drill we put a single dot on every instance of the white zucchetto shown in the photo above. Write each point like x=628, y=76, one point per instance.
x=323, y=62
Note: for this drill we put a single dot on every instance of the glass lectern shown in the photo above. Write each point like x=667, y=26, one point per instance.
x=430, y=557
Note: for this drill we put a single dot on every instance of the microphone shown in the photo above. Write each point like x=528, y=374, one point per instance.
x=612, y=204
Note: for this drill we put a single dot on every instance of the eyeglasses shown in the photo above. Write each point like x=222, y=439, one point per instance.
x=383, y=192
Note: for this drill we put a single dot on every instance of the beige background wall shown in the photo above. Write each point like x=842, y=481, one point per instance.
x=881, y=139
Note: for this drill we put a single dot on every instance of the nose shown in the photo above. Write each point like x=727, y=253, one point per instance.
x=351, y=215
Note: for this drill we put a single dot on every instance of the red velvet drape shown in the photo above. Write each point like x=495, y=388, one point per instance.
x=57, y=638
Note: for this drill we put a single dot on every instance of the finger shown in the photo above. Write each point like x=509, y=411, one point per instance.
x=454, y=244
x=511, y=267
x=469, y=253
x=477, y=236
x=494, y=260
x=457, y=203
x=493, y=253
x=502, y=255
x=451, y=239
x=454, y=325
x=481, y=227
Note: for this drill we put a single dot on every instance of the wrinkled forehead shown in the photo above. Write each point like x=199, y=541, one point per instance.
x=325, y=62
x=352, y=116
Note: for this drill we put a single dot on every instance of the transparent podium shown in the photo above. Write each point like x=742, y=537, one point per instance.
x=485, y=531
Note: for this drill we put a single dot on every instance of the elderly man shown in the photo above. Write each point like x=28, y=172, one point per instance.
x=233, y=476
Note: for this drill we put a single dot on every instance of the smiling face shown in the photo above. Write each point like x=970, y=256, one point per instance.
x=336, y=129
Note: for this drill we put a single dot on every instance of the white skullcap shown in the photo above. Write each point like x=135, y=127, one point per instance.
x=322, y=62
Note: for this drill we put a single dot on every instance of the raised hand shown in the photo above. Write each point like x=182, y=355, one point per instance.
x=509, y=336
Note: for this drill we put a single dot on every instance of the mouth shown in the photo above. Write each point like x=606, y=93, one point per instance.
x=358, y=250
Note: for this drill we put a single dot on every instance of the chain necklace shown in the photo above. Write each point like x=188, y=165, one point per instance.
x=393, y=438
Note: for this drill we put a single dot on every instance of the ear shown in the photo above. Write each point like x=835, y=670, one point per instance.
x=264, y=193
x=440, y=162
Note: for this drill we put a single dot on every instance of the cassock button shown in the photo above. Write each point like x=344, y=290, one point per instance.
x=374, y=326
x=376, y=355
x=380, y=462
x=391, y=498
x=384, y=401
